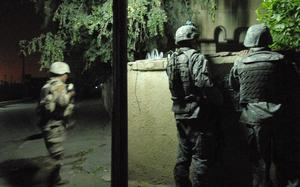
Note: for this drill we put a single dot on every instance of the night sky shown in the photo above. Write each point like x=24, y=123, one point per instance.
x=18, y=22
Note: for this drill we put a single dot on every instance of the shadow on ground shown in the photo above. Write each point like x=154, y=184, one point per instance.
x=27, y=172
x=33, y=172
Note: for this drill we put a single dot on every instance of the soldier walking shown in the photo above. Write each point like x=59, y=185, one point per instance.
x=54, y=108
x=195, y=109
x=258, y=78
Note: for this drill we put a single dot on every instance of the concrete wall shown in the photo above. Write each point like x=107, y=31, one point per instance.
x=152, y=139
x=151, y=129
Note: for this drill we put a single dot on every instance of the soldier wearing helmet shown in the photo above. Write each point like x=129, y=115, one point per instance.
x=196, y=117
x=258, y=78
x=54, y=107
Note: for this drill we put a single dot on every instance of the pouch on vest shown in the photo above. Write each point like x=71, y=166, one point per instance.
x=47, y=104
x=181, y=84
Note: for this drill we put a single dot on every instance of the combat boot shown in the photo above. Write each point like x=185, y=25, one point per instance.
x=55, y=178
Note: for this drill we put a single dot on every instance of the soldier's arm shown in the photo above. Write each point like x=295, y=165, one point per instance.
x=203, y=80
x=45, y=103
x=200, y=71
x=233, y=77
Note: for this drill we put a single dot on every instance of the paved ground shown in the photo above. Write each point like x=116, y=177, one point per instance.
x=87, y=148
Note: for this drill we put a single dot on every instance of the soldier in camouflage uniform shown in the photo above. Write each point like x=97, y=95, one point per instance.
x=195, y=114
x=54, y=108
x=258, y=78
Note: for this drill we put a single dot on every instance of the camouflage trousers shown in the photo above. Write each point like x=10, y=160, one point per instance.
x=197, y=149
x=54, y=136
x=264, y=147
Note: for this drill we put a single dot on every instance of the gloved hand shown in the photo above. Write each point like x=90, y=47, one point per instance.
x=71, y=89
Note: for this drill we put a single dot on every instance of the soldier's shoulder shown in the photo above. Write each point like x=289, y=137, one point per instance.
x=238, y=62
x=263, y=56
x=58, y=86
x=47, y=85
x=198, y=56
x=279, y=55
x=266, y=52
x=193, y=52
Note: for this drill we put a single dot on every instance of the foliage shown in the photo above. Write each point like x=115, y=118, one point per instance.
x=146, y=19
x=283, y=19
x=180, y=11
x=86, y=25
x=211, y=5
x=51, y=47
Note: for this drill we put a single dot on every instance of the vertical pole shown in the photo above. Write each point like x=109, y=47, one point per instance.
x=23, y=68
x=119, y=113
x=24, y=86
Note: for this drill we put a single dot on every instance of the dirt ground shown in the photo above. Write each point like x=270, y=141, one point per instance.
x=87, y=148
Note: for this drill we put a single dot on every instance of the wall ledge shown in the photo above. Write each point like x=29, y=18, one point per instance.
x=148, y=65
x=160, y=64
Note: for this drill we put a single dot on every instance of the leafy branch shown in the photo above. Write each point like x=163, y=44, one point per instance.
x=283, y=19
x=87, y=25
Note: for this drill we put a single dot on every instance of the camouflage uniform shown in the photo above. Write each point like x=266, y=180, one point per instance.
x=196, y=119
x=258, y=79
x=55, y=106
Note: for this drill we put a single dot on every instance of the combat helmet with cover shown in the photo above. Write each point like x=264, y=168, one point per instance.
x=47, y=105
x=186, y=32
x=59, y=68
x=258, y=36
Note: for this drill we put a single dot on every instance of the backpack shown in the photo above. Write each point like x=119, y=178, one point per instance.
x=46, y=106
x=179, y=71
x=190, y=80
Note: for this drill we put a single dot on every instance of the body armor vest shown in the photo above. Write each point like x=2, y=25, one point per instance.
x=260, y=77
x=48, y=106
x=181, y=84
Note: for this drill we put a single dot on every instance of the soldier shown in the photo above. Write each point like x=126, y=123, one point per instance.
x=54, y=108
x=195, y=114
x=258, y=78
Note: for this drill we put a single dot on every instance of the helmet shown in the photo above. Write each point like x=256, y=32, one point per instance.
x=59, y=68
x=186, y=32
x=258, y=36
